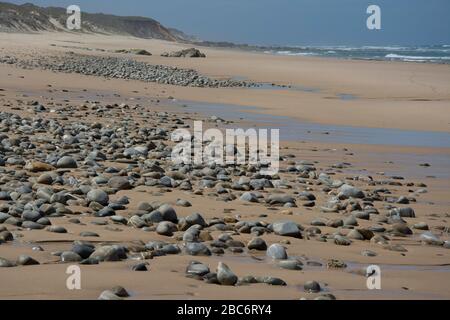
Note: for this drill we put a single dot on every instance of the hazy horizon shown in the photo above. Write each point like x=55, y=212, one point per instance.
x=288, y=22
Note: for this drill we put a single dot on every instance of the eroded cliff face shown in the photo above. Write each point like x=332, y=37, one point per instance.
x=31, y=18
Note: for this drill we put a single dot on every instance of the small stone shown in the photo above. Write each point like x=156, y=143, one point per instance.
x=119, y=183
x=271, y=281
x=286, y=229
x=83, y=250
x=57, y=229
x=137, y=222
x=342, y=241
x=197, y=268
x=36, y=166
x=249, y=197
x=347, y=191
x=421, y=226
x=67, y=162
x=197, y=249
x=225, y=275
x=4, y=263
x=120, y=292
x=403, y=212
x=109, y=253
x=402, y=228
x=355, y=235
x=369, y=253
x=166, y=228
x=290, y=264
x=108, y=295
x=89, y=234
x=140, y=267
x=168, y=213
x=99, y=196
x=69, y=256
x=257, y=244
x=25, y=260
x=312, y=287
x=277, y=252
x=336, y=264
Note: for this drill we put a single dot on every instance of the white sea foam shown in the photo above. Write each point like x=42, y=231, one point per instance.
x=411, y=58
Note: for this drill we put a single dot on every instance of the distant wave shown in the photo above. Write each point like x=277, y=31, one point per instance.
x=412, y=58
x=428, y=54
x=290, y=53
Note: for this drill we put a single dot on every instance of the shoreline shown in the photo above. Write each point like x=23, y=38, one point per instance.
x=388, y=94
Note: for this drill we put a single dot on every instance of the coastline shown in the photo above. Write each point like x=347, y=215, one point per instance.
x=388, y=94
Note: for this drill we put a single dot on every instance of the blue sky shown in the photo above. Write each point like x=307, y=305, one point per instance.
x=288, y=22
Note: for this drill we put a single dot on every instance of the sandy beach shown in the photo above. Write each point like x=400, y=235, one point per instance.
x=399, y=96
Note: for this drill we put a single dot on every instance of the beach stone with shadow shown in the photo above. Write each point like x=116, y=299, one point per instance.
x=277, y=252
x=25, y=260
x=257, y=244
x=99, y=196
x=312, y=287
x=197, y=268
x=67, y=162
x=109, y=295
x=290, y=264
x=70, y=256
x=140, y=267
x=225, y=275
x=5, y=263
x=286, y=229
x=197, y=249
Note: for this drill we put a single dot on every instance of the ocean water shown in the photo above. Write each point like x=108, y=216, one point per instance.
x=427, y=54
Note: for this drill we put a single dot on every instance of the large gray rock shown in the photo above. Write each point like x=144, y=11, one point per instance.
x=83, y=250
x=137, y=222
x=197, y=268
x=196, y=219
x=275, y=199
x=257, y=244
x=109, y=295
x=168, y=213
x=5, y=263
x=25, y=260
x=57, y=229
x=348, y=191
x=290, y=264
x=98, y=195
x=197, y=249
x=166, y=228
x=192, y=234
x=312, y=287
x=225, y=275
x=403, y=212
x=67, y=162
x=119, y=183
x=109, y=253
x=69, y=256
x=342, y=241
x=286, y=229
x=249, y=197
x=31, y=216
x=277, y=251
